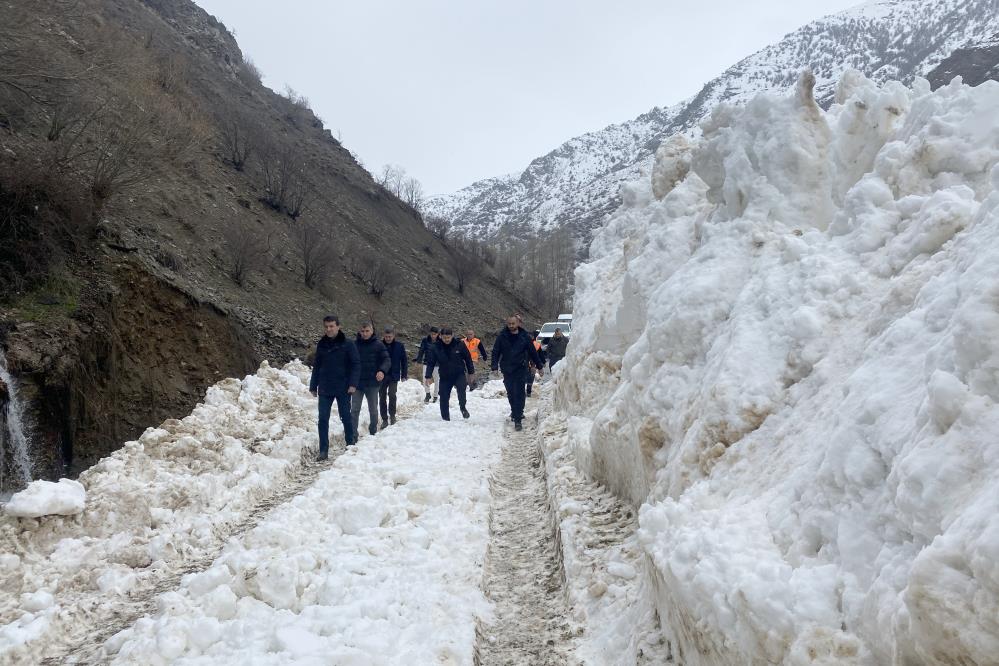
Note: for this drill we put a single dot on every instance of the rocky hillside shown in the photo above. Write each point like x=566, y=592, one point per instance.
x=975, y=63
x=577, y=183
x=166, y=220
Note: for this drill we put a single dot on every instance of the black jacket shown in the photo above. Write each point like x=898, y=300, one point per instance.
x=374, y=359
x=513, y=351
x=399, y=363
x=337, y=366
x=423, y=356
x=556, y=347
x=453, y=360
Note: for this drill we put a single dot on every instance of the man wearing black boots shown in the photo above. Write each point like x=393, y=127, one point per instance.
x=513, y=354
x=451, y=359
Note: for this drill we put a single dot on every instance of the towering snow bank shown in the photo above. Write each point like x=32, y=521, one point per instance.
x=791, y=362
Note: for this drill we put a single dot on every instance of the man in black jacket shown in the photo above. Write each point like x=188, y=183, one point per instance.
x=451, y=359
x=335, y=375
x=424, y=357
x=556, y=348
x=374, y=366
x=398, y=371
x=513, y=353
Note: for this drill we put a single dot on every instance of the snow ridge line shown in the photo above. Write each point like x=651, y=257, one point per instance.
x=523, y=572
x=86, y=651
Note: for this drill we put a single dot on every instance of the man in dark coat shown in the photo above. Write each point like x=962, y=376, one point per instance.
x=423, y=356
x=335, y=376
x=398, y=371
x=375, y=365
x=556, y=348
x=513, y=354
x=451, y=359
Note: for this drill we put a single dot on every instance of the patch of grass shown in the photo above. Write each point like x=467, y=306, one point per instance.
x=56, y=298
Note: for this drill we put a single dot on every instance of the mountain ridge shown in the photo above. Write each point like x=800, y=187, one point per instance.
x=576, y=184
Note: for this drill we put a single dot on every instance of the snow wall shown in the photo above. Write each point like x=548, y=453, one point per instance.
x=786, y=353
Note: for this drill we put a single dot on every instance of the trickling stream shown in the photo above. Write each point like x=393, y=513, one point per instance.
x=15, y=461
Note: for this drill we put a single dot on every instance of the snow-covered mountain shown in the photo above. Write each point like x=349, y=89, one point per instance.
x=577, y=184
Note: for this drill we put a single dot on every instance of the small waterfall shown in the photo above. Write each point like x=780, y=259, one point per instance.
x=15, y=459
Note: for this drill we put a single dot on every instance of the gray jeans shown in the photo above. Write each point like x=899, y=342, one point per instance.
x=371, y=393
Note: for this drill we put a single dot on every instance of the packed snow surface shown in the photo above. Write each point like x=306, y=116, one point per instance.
x=379, y=562
x=45, y=498
x=786, y=354
x=156, y=505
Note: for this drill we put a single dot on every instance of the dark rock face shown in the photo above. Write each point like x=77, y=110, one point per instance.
x=975, y=64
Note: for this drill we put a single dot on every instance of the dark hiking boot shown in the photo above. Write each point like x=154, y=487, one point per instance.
x=427, y=399
x=323, y=455
x=385, y=424
x=517, y=426
x=435, y=398
x=464, y=412
x=392, y=419
x=528, y=393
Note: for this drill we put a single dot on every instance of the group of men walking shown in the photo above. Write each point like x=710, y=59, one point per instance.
x=349, y=372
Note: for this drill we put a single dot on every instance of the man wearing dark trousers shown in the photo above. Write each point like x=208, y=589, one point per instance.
x=335, y=376
x=451, y=359
x=398, y=371
x=513, y=353
x=422, y=357
x=374, y=367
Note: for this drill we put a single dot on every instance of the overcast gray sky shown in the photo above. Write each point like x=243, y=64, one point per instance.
x=459, y=90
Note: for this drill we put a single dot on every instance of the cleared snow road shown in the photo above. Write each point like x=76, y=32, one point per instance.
x=379, y=562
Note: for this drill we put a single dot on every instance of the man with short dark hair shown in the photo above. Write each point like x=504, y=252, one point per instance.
x=398, y=371
x=374, y=362
x=556, y=348
x=424, y=357
x=450, y=358
x=513, y=354
x=335, y=375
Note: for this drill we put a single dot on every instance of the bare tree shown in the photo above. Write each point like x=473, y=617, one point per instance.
x=439, y=226
x=245, y=250
x=392, y=178
x=285, y=187
x=384, y=275
x=465, y=265
x=412, y=193
x=240, y=136
x=315, y=250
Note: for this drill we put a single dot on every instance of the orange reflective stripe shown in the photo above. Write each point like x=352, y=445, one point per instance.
x=473, y=348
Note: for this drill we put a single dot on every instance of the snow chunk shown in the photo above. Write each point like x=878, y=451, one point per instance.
x=45, y=498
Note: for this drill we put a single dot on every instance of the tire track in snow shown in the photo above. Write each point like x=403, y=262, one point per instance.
x=523, y=574
x=104, y=626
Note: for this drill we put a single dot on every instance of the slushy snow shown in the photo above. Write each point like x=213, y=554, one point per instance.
x=154, y=506
x=379, y=562
x=785, y=354
x=45, y=498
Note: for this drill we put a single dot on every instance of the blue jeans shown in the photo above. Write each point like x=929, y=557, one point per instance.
x=516, y=392
x=325, y=407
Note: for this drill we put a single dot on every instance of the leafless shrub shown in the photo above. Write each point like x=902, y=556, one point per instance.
x=240, y=136
x=249, y=73
x=168, y=259
x=383, y=276
x=439, y=226
x=297, y=100
x=315, y=250
x=244, y=249
x=412, y=193
x=285, y=187
x=171, y=72
x=465, y=265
